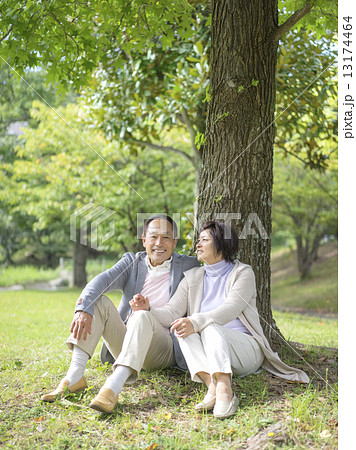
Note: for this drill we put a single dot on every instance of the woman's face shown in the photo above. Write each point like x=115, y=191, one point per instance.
x=206, y=250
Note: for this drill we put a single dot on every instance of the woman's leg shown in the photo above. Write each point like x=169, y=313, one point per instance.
x=245, y=352
x=223, y=387
x=198, y=366
x=217, y=350
x=207, y=379
x=231, y=351
x=194, y=354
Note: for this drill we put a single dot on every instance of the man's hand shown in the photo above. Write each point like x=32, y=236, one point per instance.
x=139, y=303
x=81, y=325
x=183, y=327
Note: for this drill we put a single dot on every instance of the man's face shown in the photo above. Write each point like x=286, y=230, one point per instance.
x=159, y=241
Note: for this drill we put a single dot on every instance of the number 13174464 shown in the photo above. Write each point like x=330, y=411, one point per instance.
x=347, y=47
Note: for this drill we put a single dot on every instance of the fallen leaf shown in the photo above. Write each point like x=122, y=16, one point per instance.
x=152, y=447
x=168, y=416
x=325, y=434
x=230, y=432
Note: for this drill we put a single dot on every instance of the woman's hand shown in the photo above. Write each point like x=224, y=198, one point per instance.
x=183, y=327
x=139, y=303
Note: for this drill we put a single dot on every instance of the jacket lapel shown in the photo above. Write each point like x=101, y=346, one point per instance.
x=195, y=279
x=176, y=274
x=141, y=273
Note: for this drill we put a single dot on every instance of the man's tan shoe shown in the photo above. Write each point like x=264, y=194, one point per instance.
x=62, y=388
x=105, y=401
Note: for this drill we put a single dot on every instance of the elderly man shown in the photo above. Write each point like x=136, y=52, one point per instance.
x=133, y=341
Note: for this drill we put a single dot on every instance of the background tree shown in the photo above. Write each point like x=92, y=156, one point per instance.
x=305, y=204
x=170, y=88
x=16, y=231
x=154, y=90
x=63, y=165
x=306, y=97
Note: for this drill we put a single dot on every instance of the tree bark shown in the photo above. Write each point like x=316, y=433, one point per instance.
x=79, y=263
x=236, y=178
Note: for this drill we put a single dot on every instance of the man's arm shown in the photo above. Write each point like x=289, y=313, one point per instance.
x=112, y=279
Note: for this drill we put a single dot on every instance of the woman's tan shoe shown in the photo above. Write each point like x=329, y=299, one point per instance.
x=226, y=409
x=62, y=388
x=105, y=401
x=207, y=404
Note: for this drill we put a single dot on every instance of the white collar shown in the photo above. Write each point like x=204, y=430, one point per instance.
x=166, y=265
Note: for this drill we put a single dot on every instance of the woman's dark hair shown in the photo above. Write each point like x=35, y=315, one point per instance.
x=161, y=217
x=225, y=238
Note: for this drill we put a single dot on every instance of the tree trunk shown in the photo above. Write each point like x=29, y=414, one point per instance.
x=305, y=255
x=8, y=257
x=79, y=262
x=237, y=159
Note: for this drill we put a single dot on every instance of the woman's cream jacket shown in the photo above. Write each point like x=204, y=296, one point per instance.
x=240, y=302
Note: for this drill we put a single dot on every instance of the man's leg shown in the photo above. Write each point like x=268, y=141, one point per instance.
x=107, y=323
x=146, y=345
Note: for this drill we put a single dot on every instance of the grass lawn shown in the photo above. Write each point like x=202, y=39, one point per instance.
x=25, y=274
x=316, y=294
x=157, y=412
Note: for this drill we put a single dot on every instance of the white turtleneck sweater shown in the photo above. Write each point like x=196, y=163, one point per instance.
x=214, y=290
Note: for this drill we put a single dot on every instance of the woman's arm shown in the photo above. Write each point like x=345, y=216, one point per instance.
x=174, y=309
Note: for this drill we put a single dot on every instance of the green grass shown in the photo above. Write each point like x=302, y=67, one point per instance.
x=310, y=330
x=317, y=294
x=25, y=274
x=30, y=274
x=158, y=410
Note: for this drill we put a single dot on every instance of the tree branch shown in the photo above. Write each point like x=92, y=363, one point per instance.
x=6, y=34
x=292, y=20
x=162, y=148
x=323, y=188
x=184, y=118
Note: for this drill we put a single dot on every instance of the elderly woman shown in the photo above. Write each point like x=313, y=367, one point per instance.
x=221, y=334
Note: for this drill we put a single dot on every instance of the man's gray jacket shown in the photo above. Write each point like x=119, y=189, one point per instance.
x=128, y=275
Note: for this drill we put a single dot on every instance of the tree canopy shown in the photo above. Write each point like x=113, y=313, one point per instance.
x=80, y=35
x=53, y=175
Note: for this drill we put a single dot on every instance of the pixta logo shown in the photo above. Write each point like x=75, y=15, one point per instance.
x=87, y=221
x=251, y=226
